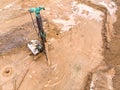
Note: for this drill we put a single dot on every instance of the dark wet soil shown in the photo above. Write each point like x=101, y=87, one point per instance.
x=112, y=55
x=16, y=37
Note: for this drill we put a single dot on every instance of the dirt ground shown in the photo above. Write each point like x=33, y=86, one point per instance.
x=112, y=55
x=75, y=46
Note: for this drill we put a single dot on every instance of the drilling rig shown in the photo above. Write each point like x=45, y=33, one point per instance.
x=38, y=46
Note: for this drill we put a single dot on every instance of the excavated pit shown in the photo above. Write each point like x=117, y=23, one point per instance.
x=72, y=68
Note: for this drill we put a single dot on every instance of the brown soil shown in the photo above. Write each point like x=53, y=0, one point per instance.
x=73, y=54
x=112, y=54
x=70, y=65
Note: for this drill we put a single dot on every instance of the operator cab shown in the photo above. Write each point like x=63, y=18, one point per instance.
x=35, y=46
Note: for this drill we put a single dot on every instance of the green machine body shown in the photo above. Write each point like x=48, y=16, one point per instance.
x=36, y=10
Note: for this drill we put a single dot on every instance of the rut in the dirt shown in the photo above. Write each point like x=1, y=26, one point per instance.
x=112, y=55
x=99, y=85
x=111, y=49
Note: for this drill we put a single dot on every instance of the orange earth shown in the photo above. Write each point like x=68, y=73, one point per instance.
x=79, y=36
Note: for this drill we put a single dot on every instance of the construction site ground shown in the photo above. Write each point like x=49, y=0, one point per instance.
x=83, y=44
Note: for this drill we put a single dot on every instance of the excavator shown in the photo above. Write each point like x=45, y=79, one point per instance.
x=38, y=46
